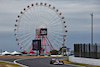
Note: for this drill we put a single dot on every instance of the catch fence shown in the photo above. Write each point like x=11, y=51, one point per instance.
x=85, y=50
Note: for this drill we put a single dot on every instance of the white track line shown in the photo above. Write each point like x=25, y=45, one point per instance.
x=73, y=65
x=15, y=61
x=12, y=62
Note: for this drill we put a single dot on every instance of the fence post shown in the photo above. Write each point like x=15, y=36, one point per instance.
x=89, y=51
x=78, y=53
x=75, y=50
x=96, y=50
x=80, y=50
x=84, y=50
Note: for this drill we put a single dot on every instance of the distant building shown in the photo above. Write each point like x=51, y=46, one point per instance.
x=64, y=51
x=16, y=53
x=6, y=53
x=13, y=53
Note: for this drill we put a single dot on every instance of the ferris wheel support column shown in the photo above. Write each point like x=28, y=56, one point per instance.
x=35, y=37
x=45, y=44
x=50, y=43
x=30, y=49
x=42, y=45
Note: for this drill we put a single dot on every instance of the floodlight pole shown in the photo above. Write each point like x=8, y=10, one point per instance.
x=92, y=30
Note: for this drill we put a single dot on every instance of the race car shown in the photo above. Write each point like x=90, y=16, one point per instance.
x=56, y=62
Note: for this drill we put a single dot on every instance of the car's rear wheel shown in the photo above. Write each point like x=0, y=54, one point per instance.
x=62, y=62
x=50, y=62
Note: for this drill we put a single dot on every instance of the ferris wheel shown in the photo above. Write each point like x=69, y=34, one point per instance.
x=40, y=16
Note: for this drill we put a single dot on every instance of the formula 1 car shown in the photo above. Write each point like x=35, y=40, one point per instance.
x=56, y=62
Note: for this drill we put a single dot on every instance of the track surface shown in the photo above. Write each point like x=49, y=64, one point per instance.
x=36, y=62
x=8, y=59
x=41, y=62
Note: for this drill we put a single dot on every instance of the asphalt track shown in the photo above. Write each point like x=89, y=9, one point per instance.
x=41, y=62
x=38, y=62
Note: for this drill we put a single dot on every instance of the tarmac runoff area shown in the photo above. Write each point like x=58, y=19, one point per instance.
x=37, y=62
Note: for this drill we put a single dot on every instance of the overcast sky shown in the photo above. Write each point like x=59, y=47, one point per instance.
x=76, y=12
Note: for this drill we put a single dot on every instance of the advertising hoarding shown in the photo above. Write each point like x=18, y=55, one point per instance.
x=43, y=31
x=36, y=44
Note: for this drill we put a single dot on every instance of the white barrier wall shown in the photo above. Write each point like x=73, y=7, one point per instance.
x=56, y=55
x=84, y=60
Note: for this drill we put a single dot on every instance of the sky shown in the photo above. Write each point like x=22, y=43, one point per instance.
x=76, y=13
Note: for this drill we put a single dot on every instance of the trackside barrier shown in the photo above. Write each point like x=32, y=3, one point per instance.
x=56, y=55
x=82, y=60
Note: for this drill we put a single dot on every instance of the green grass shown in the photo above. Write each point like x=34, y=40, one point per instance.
x=5, y=64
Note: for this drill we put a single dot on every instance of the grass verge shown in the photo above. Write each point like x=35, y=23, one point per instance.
x=20, y=56
x=67, y=61
x=5, y=64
